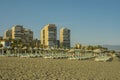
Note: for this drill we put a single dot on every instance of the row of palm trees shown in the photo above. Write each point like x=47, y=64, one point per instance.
x=89, y=47
x=17, y=46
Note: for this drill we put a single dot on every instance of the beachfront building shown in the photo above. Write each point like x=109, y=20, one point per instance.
x=1, y=37
x=36, y=43
x=18, y=32
x=58, y=43
x=27, y=35
x=48, y=36
x=65, y=38
x=5, y=43
x=8, y=34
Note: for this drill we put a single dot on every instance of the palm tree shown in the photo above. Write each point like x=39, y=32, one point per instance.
x=25, y=49
x=36, y=49
x=97, y=47
x=41, y=46
x=15, y=48
x=78, y=46
x=9, y=50
x=18, y=43
x=31, y=50
x=1, y=45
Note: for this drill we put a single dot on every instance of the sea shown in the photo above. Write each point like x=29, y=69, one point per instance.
x=112, y=47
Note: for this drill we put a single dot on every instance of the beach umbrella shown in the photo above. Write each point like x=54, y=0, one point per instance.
x=9, y=49
x=35, y=48
x=31, y=49
x=88, y=50
x=67, y=49
x=71, y=50
x=24, y=48
x=40, y=50
x=15, y=49
x=97, y=50
x=2, y=50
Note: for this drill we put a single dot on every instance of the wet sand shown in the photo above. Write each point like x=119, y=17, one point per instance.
x=15, y=68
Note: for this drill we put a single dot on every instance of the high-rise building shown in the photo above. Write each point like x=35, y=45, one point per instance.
x=18, y=32
x=1, y=37
x=48, y=36
x=8, y=34
x=28, y=35
x=65, y=38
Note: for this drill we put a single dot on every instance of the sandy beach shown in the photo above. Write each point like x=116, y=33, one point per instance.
x=15, y=68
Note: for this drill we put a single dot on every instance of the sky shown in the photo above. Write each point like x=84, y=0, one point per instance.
x=92, y=22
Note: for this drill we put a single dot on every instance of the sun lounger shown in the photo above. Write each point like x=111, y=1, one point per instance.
x=103, y=58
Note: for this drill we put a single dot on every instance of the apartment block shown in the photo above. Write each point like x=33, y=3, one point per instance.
x=48, y=35
x=1, y=37
x=8, y=34
x=5, y=43
x=65, y=37
x=19, y=32
x=27, y=35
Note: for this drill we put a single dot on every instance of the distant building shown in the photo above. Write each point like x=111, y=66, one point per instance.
x=18, y=32
x=48, y=36
x=65, y=38
x=5, y=43
x=27, y=35
x=58, y=43
x=35, y=43
x=8, y=34
x=1, y=37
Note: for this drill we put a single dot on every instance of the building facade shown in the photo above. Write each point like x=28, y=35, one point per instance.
x=1, y=37
x=65, y=38
x=5, y=43
x=8, y=34
x=27, y=35
x=48, y=36
x=19, y=33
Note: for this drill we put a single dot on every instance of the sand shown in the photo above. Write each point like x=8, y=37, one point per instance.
x=15, y=68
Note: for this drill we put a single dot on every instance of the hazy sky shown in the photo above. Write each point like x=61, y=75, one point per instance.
x=90, y=21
